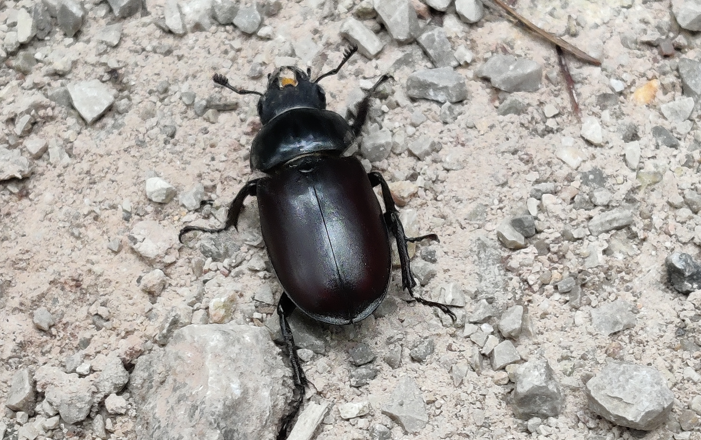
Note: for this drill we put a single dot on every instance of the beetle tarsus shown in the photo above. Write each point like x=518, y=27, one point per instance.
x=232, y=217
x=285, y=308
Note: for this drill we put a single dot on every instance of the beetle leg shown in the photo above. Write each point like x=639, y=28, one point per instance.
x=284, y=309
x=232, y=216
x=397, y=229
x=364, y=106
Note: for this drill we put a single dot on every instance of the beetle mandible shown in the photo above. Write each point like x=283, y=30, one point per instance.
x=326, y=235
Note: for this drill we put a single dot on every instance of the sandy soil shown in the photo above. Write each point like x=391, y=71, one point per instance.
x=56, y=224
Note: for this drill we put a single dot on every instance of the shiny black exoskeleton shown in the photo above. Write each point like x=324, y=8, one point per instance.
x=325, y=232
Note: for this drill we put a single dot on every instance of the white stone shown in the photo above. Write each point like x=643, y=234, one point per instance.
x=679, y=110
x=470, y=11
x=591, y=131
x=159, y=191
x=572, y=156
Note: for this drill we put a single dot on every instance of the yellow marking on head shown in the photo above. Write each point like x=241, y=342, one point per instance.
x=287, y=78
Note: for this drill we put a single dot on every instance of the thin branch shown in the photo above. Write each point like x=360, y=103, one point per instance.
x=569, y=82
x=557, y=41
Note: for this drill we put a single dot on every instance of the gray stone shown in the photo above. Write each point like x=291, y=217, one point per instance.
x=91, y=98
x=610, y=220
x=153, y=282
x=307, y=332
x=173, y=17
x=489, y=344
x=361, y=354
x=70, y=16
x=13, y=165
x=24, y=62
x=42, y=319
x=684, y=273
x=73, y=361
x=21, y=396
x=152, y=241
x=510, y=237
x=42, y=21
x=423, y=271
x=537, y=392
x=196, y=15
x=69, y=394
x=679, y=110
x=524, y=224
x=125, y=8
x=115, y=404
x=449, y=113
x=593, y=178
x=192, y=198
x=490, y=269
x=504, y=354
x=224, y=11
x=543, y=188
x=159, y=191
x=442, y=85
x=176, y=318
x=601, y=197
x=362, y=376
x=439, y=5
x=10, y=43
x=306, y=49
x=434, y=42
x=688, y=14
x=452, y=295
x=406, y=406
x=367, y=42
x=36, y=147
x=566, y=285
x=613, y=317
x=248, y=19
x=57, y=154
x=663, y=137
x=110, y=35
x=26, y=28
x=470, y=11
x=690, y=72
x=591, y=131
x=377, y=145
x=630, y=395
x=422, y=350
x=423, y=147
x=393, y=356
x=511, y=106
x=464, y=55
x=204, y=377
x=483, y=311
x=352, y=410
x=512, y=74
x=632, y=155
x=693, y=201
x=399, y=17
x=549, y=110
x=112, y=378
x=511, y=322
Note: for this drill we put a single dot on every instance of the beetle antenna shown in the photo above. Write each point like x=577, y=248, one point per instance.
x=346, y=56
x=223, y=81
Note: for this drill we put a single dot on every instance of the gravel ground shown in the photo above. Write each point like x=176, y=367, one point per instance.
x=70, y=229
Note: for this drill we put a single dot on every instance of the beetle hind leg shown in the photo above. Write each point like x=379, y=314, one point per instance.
x=232, y=216
x=284, y=309
x=397, y=229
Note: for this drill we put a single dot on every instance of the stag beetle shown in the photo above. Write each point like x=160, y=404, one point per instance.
x=323, y=227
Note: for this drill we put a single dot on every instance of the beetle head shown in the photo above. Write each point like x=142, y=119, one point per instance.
x=288, y=88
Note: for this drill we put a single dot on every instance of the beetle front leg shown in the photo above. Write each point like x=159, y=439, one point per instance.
x=397, y=229
x=285, y=307
x=232, y=216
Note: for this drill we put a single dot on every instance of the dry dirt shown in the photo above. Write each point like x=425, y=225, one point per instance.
x=56, y=224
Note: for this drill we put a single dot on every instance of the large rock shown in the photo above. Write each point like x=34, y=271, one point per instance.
x=442, y=85
x=683, y=272
x=511, y=74
x=13, y=165
x=69, y=394
x=630, y=395
x=212, y=382
x=407, y=406
x=688, y=14
x=91, y=98
x=399, y=17
x=537, y=392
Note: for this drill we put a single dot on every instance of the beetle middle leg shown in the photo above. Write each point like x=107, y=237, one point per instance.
x=232, y=216
x=285, y=307
x=364, y=106
x=395, y=226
